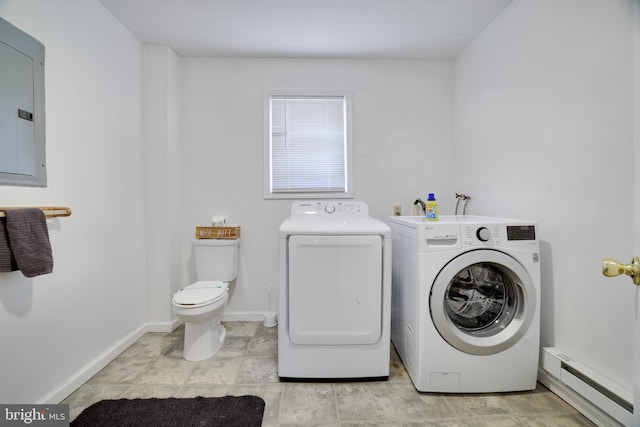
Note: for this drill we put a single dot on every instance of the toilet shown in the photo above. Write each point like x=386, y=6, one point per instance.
x=200, y=305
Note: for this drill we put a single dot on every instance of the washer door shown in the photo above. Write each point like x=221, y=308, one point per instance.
x=482, y=302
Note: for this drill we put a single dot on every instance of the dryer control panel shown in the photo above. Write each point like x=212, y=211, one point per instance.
x=330, y=208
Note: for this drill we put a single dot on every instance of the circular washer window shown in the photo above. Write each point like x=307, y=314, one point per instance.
x=482, y=302
x=481, y=299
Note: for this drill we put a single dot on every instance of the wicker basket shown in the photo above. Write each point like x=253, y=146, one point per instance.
x=217, y=232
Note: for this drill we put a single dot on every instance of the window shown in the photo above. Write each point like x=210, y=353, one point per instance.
x=307, y=146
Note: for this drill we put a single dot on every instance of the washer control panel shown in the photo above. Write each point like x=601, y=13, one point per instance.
x=330, y=208
x=470, y=232
x=499, y=234
x=478, y=234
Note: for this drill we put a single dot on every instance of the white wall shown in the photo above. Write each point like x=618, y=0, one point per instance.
x=402, y=136
x=56, y=325
x=544, y=130
x=162, y=119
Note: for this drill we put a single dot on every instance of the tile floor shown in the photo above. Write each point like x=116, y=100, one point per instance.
x=247, y=364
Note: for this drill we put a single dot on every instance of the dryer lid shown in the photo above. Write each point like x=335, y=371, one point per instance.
x=200, y=293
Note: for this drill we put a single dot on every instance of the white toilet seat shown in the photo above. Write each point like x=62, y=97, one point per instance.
x=200, y=294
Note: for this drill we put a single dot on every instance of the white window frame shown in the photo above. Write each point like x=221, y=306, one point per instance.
x=268, y=192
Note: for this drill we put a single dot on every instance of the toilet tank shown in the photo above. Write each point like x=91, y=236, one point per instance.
x=216, y=259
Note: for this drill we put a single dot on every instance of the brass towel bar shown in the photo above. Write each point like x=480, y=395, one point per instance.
x=49, y=211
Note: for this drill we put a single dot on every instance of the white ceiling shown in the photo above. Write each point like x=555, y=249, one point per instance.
x=375, y=29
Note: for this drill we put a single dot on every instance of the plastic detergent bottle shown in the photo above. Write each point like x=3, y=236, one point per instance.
x=432, y=208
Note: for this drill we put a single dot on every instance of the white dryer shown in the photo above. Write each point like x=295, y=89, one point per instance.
x=466, y=303
x=334, y=293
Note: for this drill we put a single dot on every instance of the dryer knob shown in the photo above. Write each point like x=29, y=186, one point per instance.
x=329, y=209
x=483, y=234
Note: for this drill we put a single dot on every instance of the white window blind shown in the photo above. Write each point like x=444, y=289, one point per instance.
x=308, y=144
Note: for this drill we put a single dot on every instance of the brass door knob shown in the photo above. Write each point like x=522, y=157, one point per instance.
x=612, y=268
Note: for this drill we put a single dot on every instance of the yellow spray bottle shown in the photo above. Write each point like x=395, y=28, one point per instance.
x=432, y=208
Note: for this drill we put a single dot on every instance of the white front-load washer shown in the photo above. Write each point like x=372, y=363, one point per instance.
x=334, y=317
x=466, y=302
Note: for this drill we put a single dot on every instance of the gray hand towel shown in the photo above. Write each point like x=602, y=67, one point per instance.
x=7, y=260
x=29, y=240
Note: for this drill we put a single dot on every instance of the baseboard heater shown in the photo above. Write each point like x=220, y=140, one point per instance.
x=598, y=390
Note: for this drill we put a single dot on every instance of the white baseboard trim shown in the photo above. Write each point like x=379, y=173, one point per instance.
x=163, y=326
x=244, y=316
x=586, y=408
x=92, y=368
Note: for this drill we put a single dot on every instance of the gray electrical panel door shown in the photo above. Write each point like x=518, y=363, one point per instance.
x=22, y=122
x=17, y=136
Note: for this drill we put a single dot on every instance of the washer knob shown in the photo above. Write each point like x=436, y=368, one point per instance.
x=329, y=209
x=483, y=234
